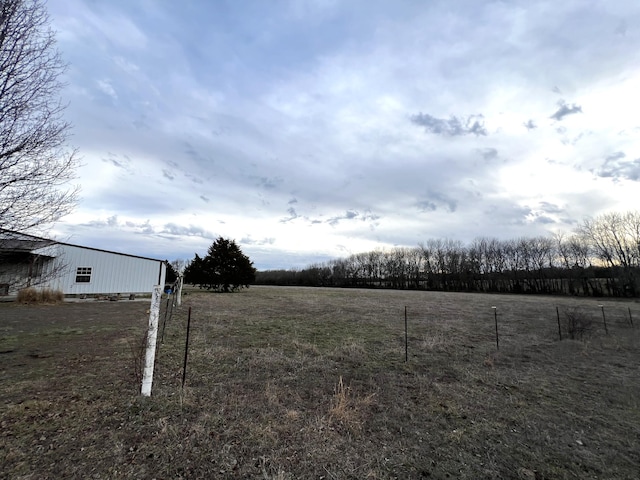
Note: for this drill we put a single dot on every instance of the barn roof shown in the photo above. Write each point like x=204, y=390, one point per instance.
x=17, y=242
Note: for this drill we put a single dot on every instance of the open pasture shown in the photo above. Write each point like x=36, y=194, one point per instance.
x=288, y=383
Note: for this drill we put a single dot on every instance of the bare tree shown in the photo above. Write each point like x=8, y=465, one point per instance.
x=35, y=163
x=631, y=228
x=615, y=240
x=541, y=257
x=179, y=264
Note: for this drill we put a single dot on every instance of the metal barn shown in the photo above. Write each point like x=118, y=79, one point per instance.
x=27, y=261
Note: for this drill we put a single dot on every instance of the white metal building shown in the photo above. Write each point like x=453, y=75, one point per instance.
x=26, y=260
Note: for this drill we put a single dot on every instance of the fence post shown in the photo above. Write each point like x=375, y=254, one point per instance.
x=179, y=294
x=152, y=336
x=559, y=328
x=186, y=349
x=406, y=338
x=495, y=315
x=604, y=320
x=164, y=323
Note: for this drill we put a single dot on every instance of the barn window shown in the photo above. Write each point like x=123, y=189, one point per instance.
x=83, y=275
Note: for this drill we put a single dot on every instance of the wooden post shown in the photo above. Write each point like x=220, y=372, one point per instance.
x=152, y=336
x=559, y=329
x=630, y=317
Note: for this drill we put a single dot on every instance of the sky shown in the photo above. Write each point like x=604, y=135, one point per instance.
x=311, y=130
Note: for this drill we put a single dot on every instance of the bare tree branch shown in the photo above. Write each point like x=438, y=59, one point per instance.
x=36, y=165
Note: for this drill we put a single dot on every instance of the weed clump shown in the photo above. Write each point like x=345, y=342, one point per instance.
x=32, y=296
x=577, y=324
x=348, y=409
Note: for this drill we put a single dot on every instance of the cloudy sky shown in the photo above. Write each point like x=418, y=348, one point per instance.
x=312, y=129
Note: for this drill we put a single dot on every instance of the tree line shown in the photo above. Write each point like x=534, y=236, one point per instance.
x=601, y=257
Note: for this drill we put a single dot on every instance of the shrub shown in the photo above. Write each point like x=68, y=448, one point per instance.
x=28, y=295
x=51, y=296
x=31, y=295
x=577, y=324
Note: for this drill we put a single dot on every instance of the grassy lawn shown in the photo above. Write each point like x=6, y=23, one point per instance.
x=287, y=383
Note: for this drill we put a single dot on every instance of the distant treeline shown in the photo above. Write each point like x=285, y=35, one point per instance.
x=600, y=258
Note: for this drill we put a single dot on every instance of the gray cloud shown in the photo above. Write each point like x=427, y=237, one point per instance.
x=572, y=141
x=349, y=215
x=114, y=162
x=113, y=223
x=269, y=183
x=432, y=201
x=524, y=216
x=508, y=214
x=195, y=155
x=565, y=109
x=194, y=179
x=617, y=168
x=204, y=198
x=120, y=161
x=252, y=241
x=530, y=125
x=550, y=207
x=488, y=154
x=545, y=214
x=167, y=174
x=453, y=126
x=145, y=228
x=190, y=231
x=544, y=220
x=615, y=157
x=292, y=215
x=369, y=216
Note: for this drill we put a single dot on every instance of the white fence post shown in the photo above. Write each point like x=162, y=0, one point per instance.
x=179, y=293
x=152, y=336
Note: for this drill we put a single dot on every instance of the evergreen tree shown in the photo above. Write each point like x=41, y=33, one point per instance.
x=194, y=272
x=171, y=275
x=225, y=268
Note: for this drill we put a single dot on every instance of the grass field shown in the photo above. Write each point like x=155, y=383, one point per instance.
x=294, y=383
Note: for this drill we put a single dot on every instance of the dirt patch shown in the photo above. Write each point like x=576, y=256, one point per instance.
x=290, y=383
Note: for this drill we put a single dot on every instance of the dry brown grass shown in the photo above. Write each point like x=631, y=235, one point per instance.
x=33, y=296
x=287, y=383
x=348, y=409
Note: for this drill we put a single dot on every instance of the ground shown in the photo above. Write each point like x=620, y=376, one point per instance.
x=285, y=383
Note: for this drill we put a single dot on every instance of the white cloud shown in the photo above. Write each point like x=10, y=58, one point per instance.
x=388, y=124
x=107, y=88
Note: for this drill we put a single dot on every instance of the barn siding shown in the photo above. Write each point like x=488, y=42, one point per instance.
x=111, y=272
